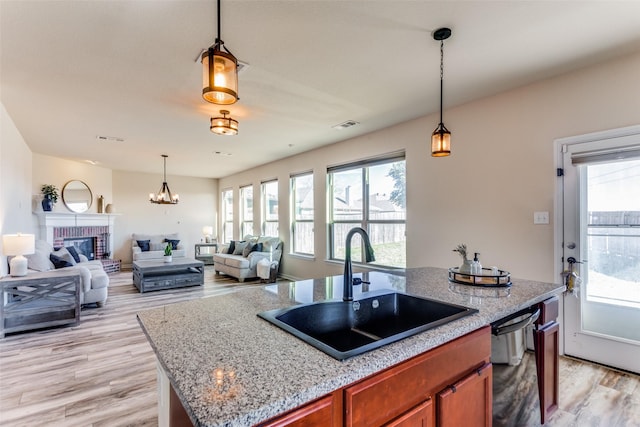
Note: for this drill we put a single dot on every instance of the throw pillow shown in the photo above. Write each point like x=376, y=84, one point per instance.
x=239, y=249
x=247, y=250
x=174, y=243
x=74, y=253
x=58, y=262
x=39, y=261
x=64, y=254
x=144, y=245
x=232, y=247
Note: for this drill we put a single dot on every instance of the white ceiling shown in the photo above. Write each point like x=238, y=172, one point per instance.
x=75, y=70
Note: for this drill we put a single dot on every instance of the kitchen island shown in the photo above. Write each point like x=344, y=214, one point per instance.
x=227, y=367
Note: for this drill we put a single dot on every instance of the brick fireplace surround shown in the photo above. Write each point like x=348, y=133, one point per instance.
x=55, y=227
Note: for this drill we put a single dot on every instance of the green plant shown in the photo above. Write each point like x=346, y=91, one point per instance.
x=50, y=192
x=167, y=250
x=462, y=250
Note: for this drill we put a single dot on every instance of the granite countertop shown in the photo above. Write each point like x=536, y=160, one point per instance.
x=231, y=368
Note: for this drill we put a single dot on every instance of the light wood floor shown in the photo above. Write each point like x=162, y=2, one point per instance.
x=102, y=372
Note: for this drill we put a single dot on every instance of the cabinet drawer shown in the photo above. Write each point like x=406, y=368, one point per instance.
x=158, y=283
x=188, y=280
x=324, y=412
x=381, y=398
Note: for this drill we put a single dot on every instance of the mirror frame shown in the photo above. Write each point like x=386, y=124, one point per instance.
x=68, y=204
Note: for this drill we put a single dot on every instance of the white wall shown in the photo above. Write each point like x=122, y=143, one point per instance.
x=57, y=171
x=501, y=170
x=197, y=208
x=15, y=183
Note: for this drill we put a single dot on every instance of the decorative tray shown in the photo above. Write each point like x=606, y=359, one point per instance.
x=487, y=279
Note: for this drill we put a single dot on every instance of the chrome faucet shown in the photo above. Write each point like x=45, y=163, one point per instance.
x=369, y=257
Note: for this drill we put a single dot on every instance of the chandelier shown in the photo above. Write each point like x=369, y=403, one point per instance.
x=224, y=125
x=164, y=196
x=441, y=137
x=219, y=73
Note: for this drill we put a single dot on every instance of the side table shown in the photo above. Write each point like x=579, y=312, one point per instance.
x=39, y=300
x=204, y=252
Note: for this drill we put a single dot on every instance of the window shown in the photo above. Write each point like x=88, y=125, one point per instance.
x=270, y=208
x=302, y=214
x=246, y=210
x=371, y=195
x=227, y=216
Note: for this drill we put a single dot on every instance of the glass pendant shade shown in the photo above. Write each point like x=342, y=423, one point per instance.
x=224, y=125
x=441, y=142
x=219, y=76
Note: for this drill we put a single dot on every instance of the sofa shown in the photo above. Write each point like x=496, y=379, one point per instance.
x=240, y=259
x=151, y=246
x=94, y=280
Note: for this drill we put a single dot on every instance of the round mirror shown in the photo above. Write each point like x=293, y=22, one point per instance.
x=77, y=196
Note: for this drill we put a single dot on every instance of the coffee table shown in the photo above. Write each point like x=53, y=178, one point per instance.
x=152, y=275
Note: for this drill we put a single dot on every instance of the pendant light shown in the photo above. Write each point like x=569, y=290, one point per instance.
x=164, y=196
x=441, y=137
x=224, y=125
x=219, y=73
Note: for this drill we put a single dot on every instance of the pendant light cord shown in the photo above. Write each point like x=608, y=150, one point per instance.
x=219, y=31
x=441, y=75
x=165, y=168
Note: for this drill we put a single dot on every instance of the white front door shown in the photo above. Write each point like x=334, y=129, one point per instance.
x=601, y=230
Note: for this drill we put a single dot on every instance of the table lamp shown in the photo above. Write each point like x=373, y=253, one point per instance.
x=18, y=245
x=207, y=230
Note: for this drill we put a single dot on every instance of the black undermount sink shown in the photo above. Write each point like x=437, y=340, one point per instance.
x=345, y=329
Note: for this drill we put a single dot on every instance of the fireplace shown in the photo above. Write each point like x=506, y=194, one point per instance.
x=65, y=229
x=84, y=245
x=96, y=239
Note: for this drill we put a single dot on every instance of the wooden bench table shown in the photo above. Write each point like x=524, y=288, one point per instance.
x=39, y=300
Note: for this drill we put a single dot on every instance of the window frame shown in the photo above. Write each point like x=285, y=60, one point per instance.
x=365, y=222
x=226, y=238
x=295, y=219
x=265, y=207
x=244, y=222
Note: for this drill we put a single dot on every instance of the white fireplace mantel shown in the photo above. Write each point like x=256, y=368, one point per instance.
x=50, y=220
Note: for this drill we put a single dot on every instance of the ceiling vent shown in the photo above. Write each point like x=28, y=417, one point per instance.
x=345, y=125
x=109, y=138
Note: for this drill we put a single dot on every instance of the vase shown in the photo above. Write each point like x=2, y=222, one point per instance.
x=168, y=258
x=110, y=209
x=465, y=268
x=47, y=204
x=100, y=204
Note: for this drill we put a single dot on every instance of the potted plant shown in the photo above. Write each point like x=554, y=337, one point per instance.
x=466, y=263
x=167, y=253
x=50, y=193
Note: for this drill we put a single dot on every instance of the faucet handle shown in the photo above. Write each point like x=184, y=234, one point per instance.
x=359, y=281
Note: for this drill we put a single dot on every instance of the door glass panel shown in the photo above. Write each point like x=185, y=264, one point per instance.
x=611, y=230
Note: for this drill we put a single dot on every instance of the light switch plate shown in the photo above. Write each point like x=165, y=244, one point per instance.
x=541, y=217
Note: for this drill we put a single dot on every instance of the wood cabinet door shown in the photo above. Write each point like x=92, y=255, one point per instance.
x=468, y=402
x=323, y=412
x=546, y=341
x=420, y=416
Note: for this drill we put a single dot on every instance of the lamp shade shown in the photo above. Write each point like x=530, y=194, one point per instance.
x=441, y=142
x=219, y=76
x=224, y=125
x=18, y=244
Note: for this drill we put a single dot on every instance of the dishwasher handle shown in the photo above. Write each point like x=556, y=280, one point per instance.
x=501, y=327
